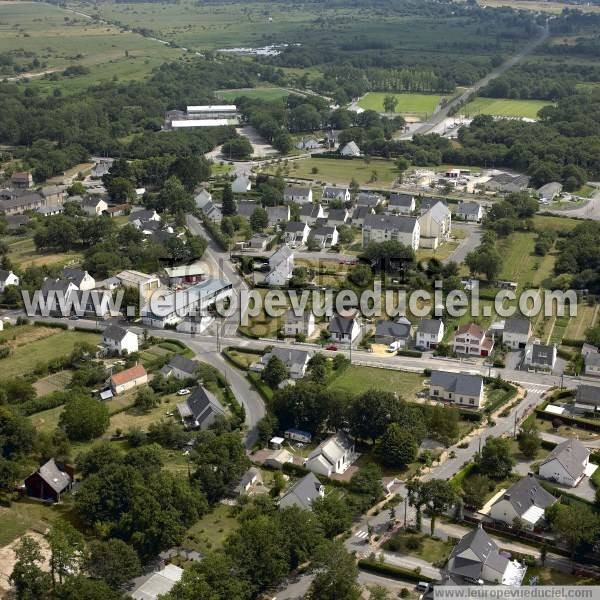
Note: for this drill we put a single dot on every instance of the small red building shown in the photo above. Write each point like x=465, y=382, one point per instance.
x=49, y=482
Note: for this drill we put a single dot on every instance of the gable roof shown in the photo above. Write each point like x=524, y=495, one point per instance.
x=296, y=226
x=588, y=394
x=541, y=354
x=303, y=493
x=4, y=274
x=439, y=211
x=200, y=405
x=430, y=326
x=468, y=208
x=74, y=275
x=310, y=210
x=183, y=364
x=400, y=329
x=472, y=329
x=400, y=201
x=517, y=325
x=571, y=454
x=525, y=493
x=127, y=375
x=341, y=324
x=337, y=214
x=295, y=190
x=459, y=383
x=53, y=476
x=366, y=199
x=114, y=332
x=391, y=222
x=292, y=358
x=56, y=285
x=332, y=191
x=592, y=359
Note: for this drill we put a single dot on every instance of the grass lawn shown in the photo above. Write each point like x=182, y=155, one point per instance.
x=266, y=93
x=210, y=531
x=520, y=264
x=422, y=546
x=407, y=103
x=587, y=316
x=244, y=359
x=441, y=253
x=356, y=380
x=39, y=344
x=131, y=417
x=559, y=224
x=547, y=576
x=501, y=107
x=331, y=170
x=22, y=252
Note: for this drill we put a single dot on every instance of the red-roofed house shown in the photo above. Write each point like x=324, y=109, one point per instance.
x=128, y=379
x=472, y=340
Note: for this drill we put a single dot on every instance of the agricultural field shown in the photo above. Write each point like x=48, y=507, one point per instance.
x=520, y=264
x=382, y=173
x=587, y=317
x=549, y=6
x=421, y=104
x=357, y=379
x=59, y=38
x=500, y=107
x=22, y=253
x=266, y=93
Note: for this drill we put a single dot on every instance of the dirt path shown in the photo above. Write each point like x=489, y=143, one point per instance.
x=8, y=559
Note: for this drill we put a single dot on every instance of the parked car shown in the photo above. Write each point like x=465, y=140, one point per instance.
x=331, y=347
x=183, y=392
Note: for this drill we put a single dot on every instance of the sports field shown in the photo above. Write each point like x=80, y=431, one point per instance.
x=407, y=103
x=500, y=107
x=266, y=93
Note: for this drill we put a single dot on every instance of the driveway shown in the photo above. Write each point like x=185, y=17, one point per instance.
x=466, y=245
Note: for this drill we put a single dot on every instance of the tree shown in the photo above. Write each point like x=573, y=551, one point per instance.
x=76, y=189
x=337, y=576
x=66, y=550
x=283, y=142
x=228, y=207
x=174, y=197
x=146, y=399
x=402, y=165
x=190, y=170
x=361, y=275
x=318, y=368
x=371, y=412
x=333, y=513
x=475, y=490
x=112, y=560
x=390, y=103
x=82, y=588
x=437, y=495
x=495, y=459
x=121, y=189
x=529, y=440
x=30, y=582
x=238, y=148
x=259, y=219
x=84, y=418
x=275, y=372
x=574, y=524
x=397, y=447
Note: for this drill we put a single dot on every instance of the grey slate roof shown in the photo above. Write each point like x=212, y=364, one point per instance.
x=245, y=208
x=309, y=210
x=459, y=383
x=57, y=285
x=430, y=326
x=366, y=199
x=295, y=227
x=58, y=480
x=184, y=364
x=74, y=275
x=200, y=405
x=332, y=191
x=303, y=493
x=588, y=394
x=337, y=214
x=361, y=212
x=592, y=359
x=293, y=190
x=399, y=329
x=292, y=358
x=542, y=354
x=517, y=325
x=525, y=493
x=341, y=325
x=114, y=332
x=391, y=222
x=468, y=208
x=400, y=201
x=570, y=454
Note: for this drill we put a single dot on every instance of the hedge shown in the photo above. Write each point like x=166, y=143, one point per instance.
x=51, y=324
x=87, y=329
x=470, y=415
x=393, y=571
x=412, y=353
x=463, y=473
x=43, y=403
x=293, y=469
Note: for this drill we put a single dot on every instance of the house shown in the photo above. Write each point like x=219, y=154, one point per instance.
x=102, y=167
x=469, y=211
x=117, y=210
x=119, y=340
x=279, y=458
x=308, y=143
x=159, y=583
x=200, y=410
x=430, y=334
x=350, y=149
x=241, y=185
x=296, y=233
x=344, y=328
x=145, y=284
x=382, y=228
x=190, y=274
x=57, y=292
x=16, y=205
x=294, y=325
x=435, y=224
x=278, y=215
x=145, y=219
x=309, y=213
x=332, y=456
x=16, y=223
x=472, y=340
x=360, y=214
x=337, y=217
x=128, y=379
x=82, y=279
x=592, y=363
x=331, y=192
x=506, y=183
x=195, y=324
x=587, y=399
x=94, y=303
x=295, y=361
x=333, y=138
x=540, y=356
x=397, y=332
x=202, y=198
x=204, y=202
x=259, y=241
x=50, y=210
x=93, y=206
x=21, y=180
x=250, y=478
x=7, y=278
x=245, y=208
x=54, y=194
x=401, y=204
x=49, y=482
x=180, y=367
x=566, y=464
x=303, y=493
x=459, y=388
x=549, y=191
x=299, y=195
x=368, y=200
x=281, y=264
x=325, y=236
x=516, y=333
x=524, y=501
x=477, y=559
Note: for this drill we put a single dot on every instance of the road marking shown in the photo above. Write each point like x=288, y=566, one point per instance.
x=362, y=534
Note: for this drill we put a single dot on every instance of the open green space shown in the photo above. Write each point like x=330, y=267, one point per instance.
x=357, y=379
x=210, y=531
x=22, y=253
x=501, y=107
x=266, y=93
x=520, y=264
x=433, y=550
x=407, y=103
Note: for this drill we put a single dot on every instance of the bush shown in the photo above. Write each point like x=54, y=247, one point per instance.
x=392, y=571
x=411, y=353
x=4, y=352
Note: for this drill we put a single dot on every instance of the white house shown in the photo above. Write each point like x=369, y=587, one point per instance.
x=337, y=217
x=82, y=279
x=304, y=492
x=401, y=204
x=523, y=502
x=93, y=206
x=333, y=456
x=566, y=464
x=281, y=264
x=382, y=228
x=472, y=340
x=299, y=195
x=310, y=213
x=326, y=236
x=435, y=223
x=296, y=233
x=241, y=185
x=7, y=278
x=180, y=367
x=117, y=339
x=295, y=361
x=540, y=356
x=332, y=192
x=469, y=211
x=549, y=191
x=350, y=149
x=195, y=324
x=462, y=389
x=592, y=363
x=516, y=332
x=302, y=325
x=202, y=198
x=344, y=328
x=128, y=379
x=430, y=334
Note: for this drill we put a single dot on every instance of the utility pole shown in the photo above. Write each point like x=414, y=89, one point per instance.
x=405, y=511
x=515, y=426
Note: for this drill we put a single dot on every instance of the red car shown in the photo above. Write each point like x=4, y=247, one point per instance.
x=331, y=347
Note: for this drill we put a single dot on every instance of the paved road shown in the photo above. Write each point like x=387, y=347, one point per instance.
x=590, y=210
x=469, y=243
x=438, y=117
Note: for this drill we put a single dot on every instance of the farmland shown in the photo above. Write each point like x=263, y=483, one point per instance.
x=500, y=107
x=421, y=104
x=520, y=264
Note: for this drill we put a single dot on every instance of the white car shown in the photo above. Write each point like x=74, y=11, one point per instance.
x=183, y=392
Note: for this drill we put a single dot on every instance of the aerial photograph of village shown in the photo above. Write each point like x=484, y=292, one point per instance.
x=299, y=299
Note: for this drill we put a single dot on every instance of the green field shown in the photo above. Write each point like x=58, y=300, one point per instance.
x=356, y=380
x=266, y=93
x=500, y=107
x=520, y=264
x=407, y=103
